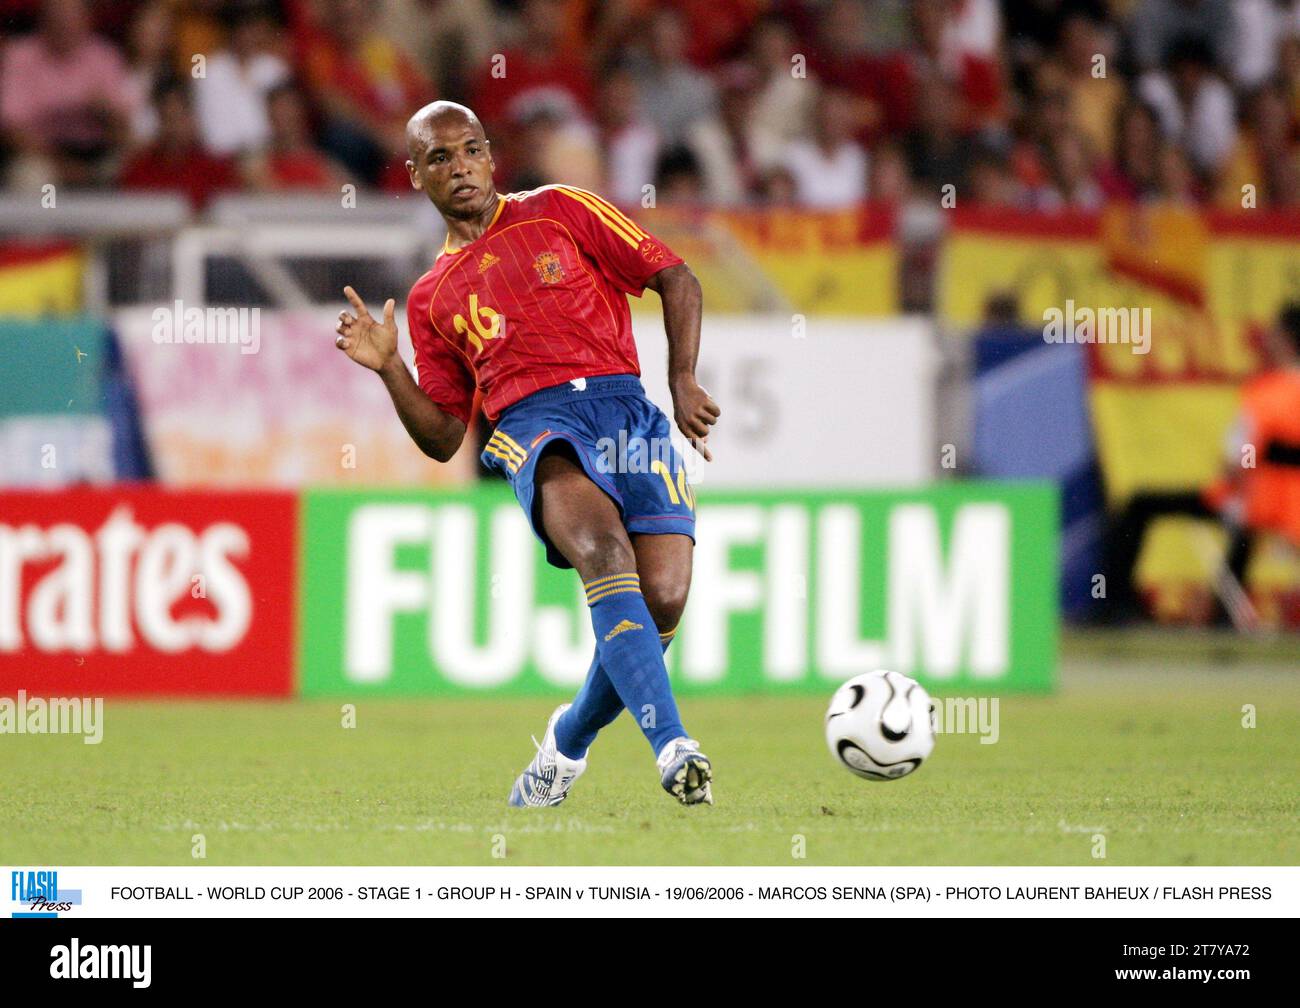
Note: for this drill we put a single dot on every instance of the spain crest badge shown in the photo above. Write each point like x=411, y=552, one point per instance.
x=549, y=268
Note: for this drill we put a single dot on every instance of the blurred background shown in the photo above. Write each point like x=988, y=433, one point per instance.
x=886, y=202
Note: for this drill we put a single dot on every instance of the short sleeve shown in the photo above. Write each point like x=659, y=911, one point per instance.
x=442, y=373
x=626, y=253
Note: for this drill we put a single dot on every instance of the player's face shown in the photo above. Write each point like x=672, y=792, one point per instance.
x=453, y=166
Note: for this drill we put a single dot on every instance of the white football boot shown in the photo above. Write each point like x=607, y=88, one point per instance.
x=547, y=779
x=685, y=772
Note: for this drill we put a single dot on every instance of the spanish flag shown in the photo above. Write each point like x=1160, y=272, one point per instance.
x=40, y=278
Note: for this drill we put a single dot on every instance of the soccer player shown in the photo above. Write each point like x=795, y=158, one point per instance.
x=528, y=303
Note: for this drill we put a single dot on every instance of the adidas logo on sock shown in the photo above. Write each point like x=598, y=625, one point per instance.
x=626, y=624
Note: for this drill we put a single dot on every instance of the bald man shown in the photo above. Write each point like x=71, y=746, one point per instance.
x=527, y=303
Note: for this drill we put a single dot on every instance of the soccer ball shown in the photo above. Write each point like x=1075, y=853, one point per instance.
x=878, y=725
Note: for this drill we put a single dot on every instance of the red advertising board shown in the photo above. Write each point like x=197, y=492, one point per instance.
x=133, y=591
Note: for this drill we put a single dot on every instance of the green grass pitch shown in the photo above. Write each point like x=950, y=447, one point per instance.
x=1150, y=752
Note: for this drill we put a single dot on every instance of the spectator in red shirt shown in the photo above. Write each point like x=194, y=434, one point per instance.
x=718, y=29
x=539, y=67
x=1048, y=115
x=1071, y=182
x=176, y=161
x=290, y=161
x=1133, y=171
x=991, y=182
x=366, y=86
x=891, y=181
x=938, y=149
x=975, y=80
x=840, y=59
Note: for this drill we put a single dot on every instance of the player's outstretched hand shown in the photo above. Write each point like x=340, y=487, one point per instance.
x=369, y=343
x=695, y=412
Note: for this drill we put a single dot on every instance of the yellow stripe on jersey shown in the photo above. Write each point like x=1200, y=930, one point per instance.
x=633, y=238
x=509, y=442
x=502, y=441
x=515, y=457
x=613, y=211
x=508, y=460
x=511, y=463
x=616, y=215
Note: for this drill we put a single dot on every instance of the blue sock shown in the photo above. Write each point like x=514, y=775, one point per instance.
x=596, y=705
x=630, y=656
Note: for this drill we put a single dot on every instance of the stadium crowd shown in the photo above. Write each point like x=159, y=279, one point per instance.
x=1034, y=104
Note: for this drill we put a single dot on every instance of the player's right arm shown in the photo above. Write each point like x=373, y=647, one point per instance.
x=373, y=344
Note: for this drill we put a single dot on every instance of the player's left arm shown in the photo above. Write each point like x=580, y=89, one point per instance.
x=683, y=300
x=633, y=260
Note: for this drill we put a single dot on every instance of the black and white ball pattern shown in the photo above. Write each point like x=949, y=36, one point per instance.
x=878, y=725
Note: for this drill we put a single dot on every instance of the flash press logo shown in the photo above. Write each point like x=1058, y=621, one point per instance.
x=36, y=893
x=75, y=961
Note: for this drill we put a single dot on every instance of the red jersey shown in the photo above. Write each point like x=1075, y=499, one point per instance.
x=537, y=300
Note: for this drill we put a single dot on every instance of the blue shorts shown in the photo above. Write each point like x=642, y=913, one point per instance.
x=620, y=437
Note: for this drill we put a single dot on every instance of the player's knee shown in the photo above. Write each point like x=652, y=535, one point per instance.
x=665, y=597
x=601, y=552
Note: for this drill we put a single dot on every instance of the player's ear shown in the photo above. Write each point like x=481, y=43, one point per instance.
x=415, y=180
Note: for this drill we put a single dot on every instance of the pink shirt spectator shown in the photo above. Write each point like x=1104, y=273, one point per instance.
x=58, y=98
